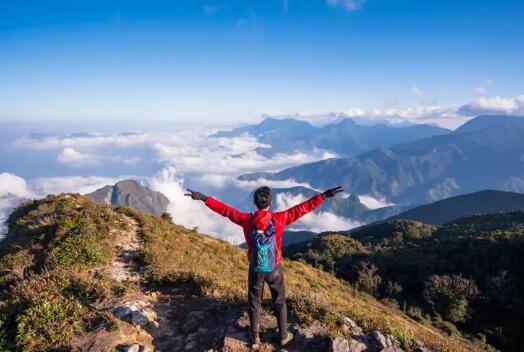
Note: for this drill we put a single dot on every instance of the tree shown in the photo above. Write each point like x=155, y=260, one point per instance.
x=450, y=295
x=368, y=279
x=392, y=289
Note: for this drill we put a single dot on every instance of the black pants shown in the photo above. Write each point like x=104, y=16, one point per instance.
x=275, y=280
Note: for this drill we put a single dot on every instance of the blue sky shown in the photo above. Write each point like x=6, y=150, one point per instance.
x=222, y=62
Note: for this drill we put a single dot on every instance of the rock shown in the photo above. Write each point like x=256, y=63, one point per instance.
x=357, y=346
x=351, y=328
x=123, y=311
x=129, y=348
x=339, y=344
x=237, y=342
x=422, y=349
x=139, y=318
x=132, y=314
x=419, y=347
x=379, y=339
x=392, y=348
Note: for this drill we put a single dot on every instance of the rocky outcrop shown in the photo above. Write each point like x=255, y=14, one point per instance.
x=315, y=337
x=131, y=193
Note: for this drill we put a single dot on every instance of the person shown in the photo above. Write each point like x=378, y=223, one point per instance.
x=263, y=234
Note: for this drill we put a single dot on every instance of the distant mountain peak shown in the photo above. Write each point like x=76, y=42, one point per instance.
x=133, y=194
x=490, y=121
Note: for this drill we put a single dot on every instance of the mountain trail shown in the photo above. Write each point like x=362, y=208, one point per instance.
x=175, y=318
x=178, y=318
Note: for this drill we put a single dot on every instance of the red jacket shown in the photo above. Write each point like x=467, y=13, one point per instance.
x=260, y=219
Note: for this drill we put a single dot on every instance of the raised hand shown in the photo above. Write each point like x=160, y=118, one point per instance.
x=195, y=195
x=332, y=192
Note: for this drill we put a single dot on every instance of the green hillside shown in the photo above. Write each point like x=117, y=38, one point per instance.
x=465, y=276
x=65, y=280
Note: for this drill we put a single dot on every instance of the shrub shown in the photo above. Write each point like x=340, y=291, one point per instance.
x=368, y=279
x=78, y=250
x=49, y=324
x=308, y=307
x=392, y=289
x=449, y=295
x=13, y=266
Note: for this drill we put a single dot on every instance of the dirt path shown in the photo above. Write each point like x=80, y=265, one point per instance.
x=169, y=319
x=175, y=318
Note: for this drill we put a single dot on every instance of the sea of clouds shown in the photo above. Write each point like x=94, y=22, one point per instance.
x=167, y=162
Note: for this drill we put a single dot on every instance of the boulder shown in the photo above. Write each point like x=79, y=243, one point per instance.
x=131, y=314
x=139, y=318
x=357, y=346
x=339, y=344
x=379, y=339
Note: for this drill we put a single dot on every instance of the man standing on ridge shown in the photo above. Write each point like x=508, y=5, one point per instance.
x=263, y=233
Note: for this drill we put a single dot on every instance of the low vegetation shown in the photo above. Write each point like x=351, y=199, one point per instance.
x=464, y=277
x=173, y=253
x=53, y=279
x=49, y=280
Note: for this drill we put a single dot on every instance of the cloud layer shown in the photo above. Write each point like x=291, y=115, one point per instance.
x=494, y=105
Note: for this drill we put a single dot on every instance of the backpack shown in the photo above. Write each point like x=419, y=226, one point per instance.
x=263, y=249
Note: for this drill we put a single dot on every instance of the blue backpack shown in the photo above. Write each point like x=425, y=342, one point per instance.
x=263, y=249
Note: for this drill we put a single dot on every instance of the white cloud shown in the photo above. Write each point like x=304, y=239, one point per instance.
x=483, y=87
x=90, y=140
x=316, y=222
x=11, y=184
x=74, y=158
x=493, y=106
x=13, y=190
x=191, y=213
x=71, y=184
x=348, y=5
x=373, y=202
x=253, y=184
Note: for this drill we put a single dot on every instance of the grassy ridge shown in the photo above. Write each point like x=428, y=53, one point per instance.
x=54, y=282
x=50, y=280
x=173, y=253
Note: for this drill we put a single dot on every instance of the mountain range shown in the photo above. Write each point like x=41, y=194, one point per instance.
x=345, y=137
x=452, y=208
x=486, y=152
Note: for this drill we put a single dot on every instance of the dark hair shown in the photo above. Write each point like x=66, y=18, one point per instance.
x=262, y=197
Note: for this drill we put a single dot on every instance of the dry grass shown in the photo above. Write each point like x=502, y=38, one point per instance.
x=50, y=277
x=49, y=272
x=173, y=253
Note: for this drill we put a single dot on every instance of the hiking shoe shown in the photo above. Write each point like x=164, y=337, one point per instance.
x=254, y=339
x=287, y=340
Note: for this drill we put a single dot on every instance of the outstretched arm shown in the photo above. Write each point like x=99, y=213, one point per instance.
x=217, y=206
x=293, y=214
